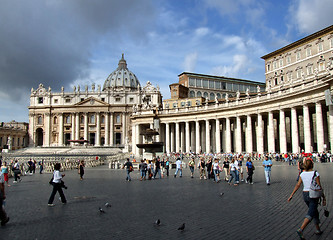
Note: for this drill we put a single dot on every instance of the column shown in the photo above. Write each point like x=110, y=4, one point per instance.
x=307, y=130
x=282, y=128
x=187, y=137
x=249, y=147
x=61, y=130
x=182, y=137
x=77, y=126
x=86, y=126
x=124, y=132
x=294, y=130
x=207, y=136
x=98, y=129
x=47, y=129
x=192, y=136
x=271, y=135
x=107, y=130
x=260, y=139
x=172, y=138
x=111, y=130
x=227, y=135
x=218, y=136
x=137, y=139
x=32, y=140
x=133, y=139
x=320, y=128
x=167, y=137
x=73, y=128
x=197, y=136
x=238, y=135
x=177, y=137
x=331, y=126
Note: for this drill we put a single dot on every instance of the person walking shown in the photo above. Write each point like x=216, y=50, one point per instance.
x=81, y=169
x=3, y=215
x=209, y=165
x=202, y=167
x=4, y=170
x=41, y=166
x=167, y=166
x=249, y=170
x=17, y=172
x=232, y=172
x=143, y=169
x=267, y=164
x=226, y=164
x=179, y=168
x=129, y=169
x=157, y=168
x=191, y=164
x=216, y=170
x=306, y=177
x=57, y=185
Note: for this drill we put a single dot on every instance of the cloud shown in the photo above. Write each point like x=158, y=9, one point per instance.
x=52, y=42
x=239, y=64
x=310, y=16
x=190, y=62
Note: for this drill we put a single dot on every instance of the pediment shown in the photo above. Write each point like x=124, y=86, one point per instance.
x=91, y=102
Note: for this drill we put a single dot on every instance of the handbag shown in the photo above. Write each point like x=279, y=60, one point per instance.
x=315, y=189
x=131, y=169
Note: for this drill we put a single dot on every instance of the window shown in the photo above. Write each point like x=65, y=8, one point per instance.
x=103, y=119
x=205, y=95
x=192, y=82
x=18, y=141
x=235, y=87
x=331, y=41
x=211, y=84
x=174, y=105
x=82, y=119
x=117, y=99
x=289, y=76
x=131, y=100
x=281, y=62
x=218, y=85
x=189, y=103
x=55, y=100
x=268, y=67
x=321, y=66
x=309, y=69
x=320, y=47
x=205, y=83
x=199, y=94
x=68, y=119
x=223, y=85
x=299, y=73
x=92, y=119
x=103, y=99
x=198, y=82
x=182, y=104
x=40, y=100
x=229, y=86
x=218, y=96
x=298, y=55
x=118, y=118
x=288, y=59
x=55, y=120
x=211, y=96
x=275, y=65
x=275, y=81
x=308, y=52
x=192, y=94
x=40, y=120
x=68, y=100
x=82, y=99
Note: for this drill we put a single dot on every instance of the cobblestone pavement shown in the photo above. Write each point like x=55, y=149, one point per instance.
x=243, y=212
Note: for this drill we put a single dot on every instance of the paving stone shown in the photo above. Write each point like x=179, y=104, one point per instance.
x=243, y=212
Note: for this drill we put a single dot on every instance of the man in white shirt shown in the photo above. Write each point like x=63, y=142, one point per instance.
x=178, y=167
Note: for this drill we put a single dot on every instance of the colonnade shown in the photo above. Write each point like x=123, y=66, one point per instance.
x=306, y=127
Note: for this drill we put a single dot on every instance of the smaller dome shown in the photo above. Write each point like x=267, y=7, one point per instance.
x=121, y=77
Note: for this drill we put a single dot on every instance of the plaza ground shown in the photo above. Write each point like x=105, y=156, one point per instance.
x=243, y=212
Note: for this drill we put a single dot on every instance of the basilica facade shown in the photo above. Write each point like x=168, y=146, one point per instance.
x=99, y=116
x=293, y=113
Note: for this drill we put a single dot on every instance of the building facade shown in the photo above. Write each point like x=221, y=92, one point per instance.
x=98, y=117
x=293, y=114
x=13, y=135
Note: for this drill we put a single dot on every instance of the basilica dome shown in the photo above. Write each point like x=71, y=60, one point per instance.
x=121, y=77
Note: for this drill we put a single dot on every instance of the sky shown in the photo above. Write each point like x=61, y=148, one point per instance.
x=79, y=42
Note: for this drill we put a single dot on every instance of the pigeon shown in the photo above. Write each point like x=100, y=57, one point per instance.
x=182, y=227
x=158, y=222
x=101, y=210
x=221, y=194
x=107, y=205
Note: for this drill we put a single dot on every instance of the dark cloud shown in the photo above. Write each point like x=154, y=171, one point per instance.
x=51, y=42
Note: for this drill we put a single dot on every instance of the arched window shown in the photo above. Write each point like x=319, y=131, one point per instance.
x=82, y=119
x=40, y=120
x=68, y=119
x=205, y=95
x=192, y=94
x=102, y=119
x=218, y=95
x=199, y=94
x=211, y=96
x=55, y=120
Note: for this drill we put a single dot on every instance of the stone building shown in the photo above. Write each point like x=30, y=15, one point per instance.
x=293, y=114
x=13, y=135
x=96, y=116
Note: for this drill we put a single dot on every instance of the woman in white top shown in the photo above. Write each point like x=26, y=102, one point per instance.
x=216, y=170
x=312, y=203
x=57, y=185
x=232, y=171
